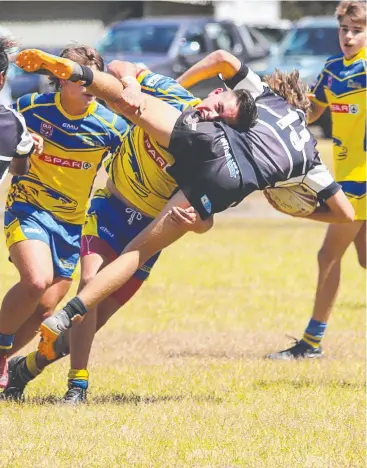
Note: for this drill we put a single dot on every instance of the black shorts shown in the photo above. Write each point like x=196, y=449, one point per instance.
x=205, y=168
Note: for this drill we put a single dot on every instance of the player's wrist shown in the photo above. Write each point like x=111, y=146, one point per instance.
x=237, y=78
x=129, y=81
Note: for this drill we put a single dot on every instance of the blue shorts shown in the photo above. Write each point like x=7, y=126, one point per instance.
x=23, y=221
x=115, y=224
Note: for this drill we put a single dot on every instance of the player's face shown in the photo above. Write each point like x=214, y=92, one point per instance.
x=220, y=105
x=77, y=93
x=352, y=36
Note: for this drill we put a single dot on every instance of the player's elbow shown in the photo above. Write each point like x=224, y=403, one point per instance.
x=201, y=226
x=221, y=56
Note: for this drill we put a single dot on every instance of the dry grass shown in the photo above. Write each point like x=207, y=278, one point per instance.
x=178, y=379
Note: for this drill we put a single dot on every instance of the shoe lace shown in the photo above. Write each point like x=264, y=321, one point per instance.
x=295, y=340
x=72, y=393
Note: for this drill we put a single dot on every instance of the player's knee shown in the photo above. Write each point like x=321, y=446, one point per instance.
x=36, y=286
x=327, y=257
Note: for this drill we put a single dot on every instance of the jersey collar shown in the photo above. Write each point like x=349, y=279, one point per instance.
x=361, y=55
x=89, y=111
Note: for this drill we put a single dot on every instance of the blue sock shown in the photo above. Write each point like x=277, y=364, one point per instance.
x=78, y=378
x=314, y=333
x=6, y=342
x=79, y=383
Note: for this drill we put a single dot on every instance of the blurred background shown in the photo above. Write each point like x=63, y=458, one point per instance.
x=170, y=36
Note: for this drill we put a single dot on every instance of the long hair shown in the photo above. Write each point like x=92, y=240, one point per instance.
x=290, y=87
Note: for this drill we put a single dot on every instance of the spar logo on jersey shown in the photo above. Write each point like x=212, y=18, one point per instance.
x=46, y=129
x=67, y=163
x=154, y=154
x=344, y=108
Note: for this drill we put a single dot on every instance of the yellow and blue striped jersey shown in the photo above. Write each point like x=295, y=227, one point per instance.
x=61, y=179
x=139, y=173
x=342, y=86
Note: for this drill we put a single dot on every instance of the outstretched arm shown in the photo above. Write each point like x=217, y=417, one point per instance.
x=218, y=62
x=110, y=89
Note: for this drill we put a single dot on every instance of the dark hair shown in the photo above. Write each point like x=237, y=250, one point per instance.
x=247, y=112
x=356, y=10
x=5, y=45
x=290, y=87
x=82, y=54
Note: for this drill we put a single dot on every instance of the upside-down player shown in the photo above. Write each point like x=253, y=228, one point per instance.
x=138, y=188
x=215, y=165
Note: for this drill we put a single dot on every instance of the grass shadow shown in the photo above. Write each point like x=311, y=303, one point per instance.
x=125, y=399
x=296, y=384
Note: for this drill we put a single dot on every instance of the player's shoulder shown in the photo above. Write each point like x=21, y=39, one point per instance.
x=333, y=61
x=29, y=101
x=109, y=120
x=9, y=116
x=150, y=79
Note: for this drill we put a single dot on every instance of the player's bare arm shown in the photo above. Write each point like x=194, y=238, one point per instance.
x=316, y=111
x=337, y=209
x=218, y=62
x=126, y=73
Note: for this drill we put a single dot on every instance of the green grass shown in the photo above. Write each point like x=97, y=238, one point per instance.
x=177, y=376
x=178, y=379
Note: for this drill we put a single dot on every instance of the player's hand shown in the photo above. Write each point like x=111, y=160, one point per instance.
x=183, y=217
x=132, y=94
x=38, y=144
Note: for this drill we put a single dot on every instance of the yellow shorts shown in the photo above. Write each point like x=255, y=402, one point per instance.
x=356, y=193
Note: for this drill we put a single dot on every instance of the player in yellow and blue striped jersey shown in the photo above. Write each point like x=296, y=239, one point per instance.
x=137, y=189
x=45, y=209
x=341, y=86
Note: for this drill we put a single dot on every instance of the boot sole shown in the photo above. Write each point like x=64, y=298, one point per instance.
x=33, y=60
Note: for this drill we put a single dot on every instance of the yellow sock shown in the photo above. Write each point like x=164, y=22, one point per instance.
x=32, y=364
x=78, y=374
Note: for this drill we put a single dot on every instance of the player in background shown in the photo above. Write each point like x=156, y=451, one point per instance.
x=45, y=209
x=16, y=143
x=341, y=86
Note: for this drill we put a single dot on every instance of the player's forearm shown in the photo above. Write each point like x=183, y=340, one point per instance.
x=337, y=209
x=328, y=216
x=315, y=112
x=120, y=69
x=19, y=166
x=106, y=87
x=217, y=62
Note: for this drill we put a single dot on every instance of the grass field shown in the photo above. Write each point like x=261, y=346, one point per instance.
x=178, y=377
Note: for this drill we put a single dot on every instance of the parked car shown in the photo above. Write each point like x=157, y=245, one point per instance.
x=274, y=33
x=171, y=45
x=22, y=83
x=306, y=48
